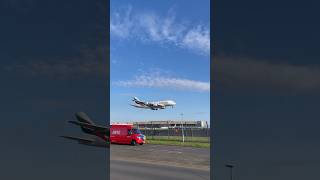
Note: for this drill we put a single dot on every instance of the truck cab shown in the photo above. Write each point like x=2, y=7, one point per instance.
x=126, y=134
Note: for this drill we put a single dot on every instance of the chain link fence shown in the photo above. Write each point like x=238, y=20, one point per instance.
x=187, y=134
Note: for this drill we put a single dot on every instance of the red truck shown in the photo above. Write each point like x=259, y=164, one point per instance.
x=126, y=134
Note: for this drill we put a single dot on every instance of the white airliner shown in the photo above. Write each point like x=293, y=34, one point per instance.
x=153, y=105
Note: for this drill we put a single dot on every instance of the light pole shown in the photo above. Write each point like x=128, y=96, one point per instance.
x=182, y=127
x=231, y=167
x=168, y=128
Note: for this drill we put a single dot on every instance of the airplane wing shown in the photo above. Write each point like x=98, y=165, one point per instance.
x=86, y=141
x=141, y=103
x=161, y=106
x=139, y=106
x=146, y=107
x=155, y=105
x=101, y=129
x=82, y=140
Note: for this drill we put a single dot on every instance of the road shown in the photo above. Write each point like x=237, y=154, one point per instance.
x=159, y=162
x=139, y=171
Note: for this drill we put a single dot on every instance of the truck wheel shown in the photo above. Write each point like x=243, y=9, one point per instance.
x=133, y=143
x=141, y=143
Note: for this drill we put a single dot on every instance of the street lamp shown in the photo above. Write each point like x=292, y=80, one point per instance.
x=231, y=167
x=182, y=127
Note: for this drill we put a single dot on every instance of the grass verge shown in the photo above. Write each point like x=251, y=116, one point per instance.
x=195, y=142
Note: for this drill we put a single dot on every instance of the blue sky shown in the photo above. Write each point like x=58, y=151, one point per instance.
x=160, y=51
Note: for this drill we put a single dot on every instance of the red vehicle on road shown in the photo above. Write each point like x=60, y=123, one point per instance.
x=126, y=134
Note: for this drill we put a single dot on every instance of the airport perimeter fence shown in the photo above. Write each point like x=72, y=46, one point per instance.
x=187, y=134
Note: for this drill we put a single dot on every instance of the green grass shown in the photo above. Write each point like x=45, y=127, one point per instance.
x=201, y=142
x=179, y=138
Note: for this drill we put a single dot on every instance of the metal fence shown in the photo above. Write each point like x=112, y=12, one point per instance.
x=183, y=134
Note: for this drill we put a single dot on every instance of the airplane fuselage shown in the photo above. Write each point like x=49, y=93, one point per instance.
x=153, y=105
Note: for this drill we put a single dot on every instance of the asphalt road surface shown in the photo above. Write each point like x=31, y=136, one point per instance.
x=139, y=171
x=157, y=162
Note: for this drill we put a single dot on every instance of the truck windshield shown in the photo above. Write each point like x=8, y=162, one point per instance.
x=136, y=131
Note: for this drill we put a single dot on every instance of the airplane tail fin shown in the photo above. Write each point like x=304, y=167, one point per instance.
x=83, y=117
x=135, y=99
x=89, y=127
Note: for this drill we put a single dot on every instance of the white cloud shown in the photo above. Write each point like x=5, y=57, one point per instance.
x=157, y=81
x=121, y=25
x=197, y=39
x=161, y=29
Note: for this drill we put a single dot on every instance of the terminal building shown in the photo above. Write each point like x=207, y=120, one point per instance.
x=170, y=124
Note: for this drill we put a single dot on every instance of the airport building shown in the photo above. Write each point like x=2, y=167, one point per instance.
x=170, y=124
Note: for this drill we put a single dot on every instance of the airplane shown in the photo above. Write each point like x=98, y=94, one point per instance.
x=152, y=105
x=100, y=134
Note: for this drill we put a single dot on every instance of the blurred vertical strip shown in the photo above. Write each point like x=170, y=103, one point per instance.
x=108, y=84
x=212, y=105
